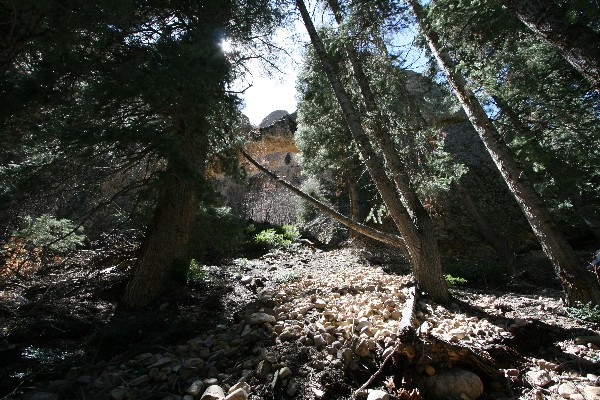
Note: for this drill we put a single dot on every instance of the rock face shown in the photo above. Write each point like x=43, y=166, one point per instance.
x=261, y=199
x=486, y=188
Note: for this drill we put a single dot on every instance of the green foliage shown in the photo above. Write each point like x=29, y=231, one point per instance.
x=272, y=239
x=101, y=97
x=58, y=235
x=377, y=213
x=585, y=312
x=286, y=276
x=544, y=109
x=306, y=211
x=196, y=272
x=413, y=106
x=291, y=233
x=454, y=280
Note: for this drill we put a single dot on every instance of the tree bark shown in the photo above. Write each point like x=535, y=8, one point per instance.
x=577, y=283
x=383, y=237
x=422, y=253
x=354, y=201
x=576, y=42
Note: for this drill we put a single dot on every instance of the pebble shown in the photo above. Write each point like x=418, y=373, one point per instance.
x=592, y=392
x=238, y=394
x=378, y=395
x=195, y=388
x=345, y=328
x=260, y=318
x=213, y=392
x=539, y=378
x=566, y=390
x=285, y=372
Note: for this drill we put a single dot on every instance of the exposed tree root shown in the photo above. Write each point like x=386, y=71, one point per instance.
x=414, y=351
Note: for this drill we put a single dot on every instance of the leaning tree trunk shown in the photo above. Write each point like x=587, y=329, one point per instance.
x=577, y=283
x=576, y=42
x=354, y=202
x=425, y=255
x=165, y=243
x=350, y=223
x=422, y=252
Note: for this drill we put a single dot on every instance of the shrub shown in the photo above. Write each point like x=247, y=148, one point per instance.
x=306, y=211
x=477, y=272
x=24, y=253
x=454, y=280
x=196, y=272
x=282, y=238
x=58, y=235
x=291, y=233
x=584, y=312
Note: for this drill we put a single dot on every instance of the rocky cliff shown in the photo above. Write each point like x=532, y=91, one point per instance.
x=260, y=199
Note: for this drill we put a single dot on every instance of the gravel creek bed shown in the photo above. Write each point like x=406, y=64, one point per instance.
x=312, y=324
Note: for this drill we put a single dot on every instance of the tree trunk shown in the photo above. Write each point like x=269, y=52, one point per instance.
x=576, y=42
x=164, y=243
x=425, y=256
x=423, y=253
x=577, y=283
x=354, y=205
x=167, y=235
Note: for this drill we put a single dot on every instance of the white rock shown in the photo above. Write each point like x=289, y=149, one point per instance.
x=378, y=395
x=539, y=378
x=566, y=390
x=285, y=372
x=213, y=392
x=592, y=392
x=320, y=304
x=195, y=388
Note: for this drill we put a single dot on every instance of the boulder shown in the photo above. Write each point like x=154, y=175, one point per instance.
x=454, y=383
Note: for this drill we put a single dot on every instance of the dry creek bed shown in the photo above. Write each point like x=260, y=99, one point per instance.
x=318, y=324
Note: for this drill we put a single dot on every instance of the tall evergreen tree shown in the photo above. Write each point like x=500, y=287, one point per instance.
x=560, y=25
x=578, y=285
x=408, y=214
x=137, y=78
